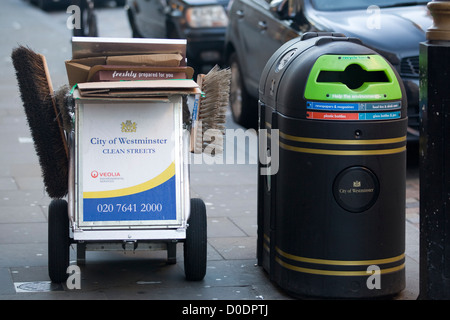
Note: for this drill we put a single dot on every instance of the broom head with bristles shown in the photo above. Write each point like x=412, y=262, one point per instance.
x=37, y=96
x=212, y=107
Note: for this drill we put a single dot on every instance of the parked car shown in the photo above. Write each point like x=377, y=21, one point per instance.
x=202, y=22
x=63, y=4
x=257, y=28
x=51, y=4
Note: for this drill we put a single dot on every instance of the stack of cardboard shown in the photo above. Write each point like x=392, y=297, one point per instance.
x=111, y=67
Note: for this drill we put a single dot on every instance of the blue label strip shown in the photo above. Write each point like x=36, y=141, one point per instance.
x=380, y=116
x=349, y=106
x=158, y=203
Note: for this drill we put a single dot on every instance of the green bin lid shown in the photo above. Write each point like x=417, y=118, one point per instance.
x=352, y=78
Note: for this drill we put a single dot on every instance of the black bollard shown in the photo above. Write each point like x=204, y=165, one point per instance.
x=435, y=156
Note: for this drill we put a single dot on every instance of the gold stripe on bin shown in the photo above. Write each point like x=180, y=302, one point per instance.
x=342, y=142
x=333, y=272
x=355, y=142
x=340, y=262
x=377, y=262
x=343, y=152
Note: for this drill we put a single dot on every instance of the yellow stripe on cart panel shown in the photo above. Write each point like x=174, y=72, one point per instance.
x=158, y=180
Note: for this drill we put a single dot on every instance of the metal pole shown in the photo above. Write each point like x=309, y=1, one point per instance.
x=435, y=156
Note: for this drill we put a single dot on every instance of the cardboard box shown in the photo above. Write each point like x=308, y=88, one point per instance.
x=96, y=59
x=132, y=73
x=138, y=89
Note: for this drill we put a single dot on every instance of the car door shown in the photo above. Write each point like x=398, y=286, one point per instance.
x=260, y=34
x=150, y=18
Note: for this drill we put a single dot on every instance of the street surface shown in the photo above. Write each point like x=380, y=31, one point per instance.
x=229, y=191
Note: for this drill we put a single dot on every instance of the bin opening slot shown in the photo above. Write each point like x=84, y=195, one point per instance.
x=353, y=76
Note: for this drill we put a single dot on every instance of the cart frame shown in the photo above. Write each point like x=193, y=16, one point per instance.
x=67, y=227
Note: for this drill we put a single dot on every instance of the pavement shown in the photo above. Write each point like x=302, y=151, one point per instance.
x=229, y=191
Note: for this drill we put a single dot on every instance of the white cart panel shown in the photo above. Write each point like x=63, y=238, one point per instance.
x=129, y=164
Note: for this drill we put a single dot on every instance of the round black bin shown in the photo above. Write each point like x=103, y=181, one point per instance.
x=331, y=209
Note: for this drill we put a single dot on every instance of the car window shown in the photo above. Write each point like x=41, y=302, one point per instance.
x=329, y=5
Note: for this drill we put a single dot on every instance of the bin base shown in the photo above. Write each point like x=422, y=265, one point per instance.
x=300, y=285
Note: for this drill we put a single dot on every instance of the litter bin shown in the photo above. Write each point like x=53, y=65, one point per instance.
x=331, y=219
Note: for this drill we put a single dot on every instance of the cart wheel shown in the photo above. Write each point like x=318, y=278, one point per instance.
x=58, y=240
x=195, y=244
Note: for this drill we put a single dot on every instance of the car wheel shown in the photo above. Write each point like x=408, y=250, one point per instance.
x=244, y=108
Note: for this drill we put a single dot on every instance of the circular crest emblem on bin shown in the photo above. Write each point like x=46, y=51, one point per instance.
x=356, y=189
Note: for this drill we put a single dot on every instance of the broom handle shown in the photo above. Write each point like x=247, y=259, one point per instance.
x=49, y=81
x=195, y=130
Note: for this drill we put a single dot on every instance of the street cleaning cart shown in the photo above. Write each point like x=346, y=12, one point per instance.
x=128, y=173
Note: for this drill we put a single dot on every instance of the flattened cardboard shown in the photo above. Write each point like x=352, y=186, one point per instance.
x=161, y=60
x=145, y=88
x=88, y=52
x=118, y=73
x=84, y=47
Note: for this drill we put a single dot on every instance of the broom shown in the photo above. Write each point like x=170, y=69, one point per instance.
x=66, y=107
x=208, y=123
x=43, y=119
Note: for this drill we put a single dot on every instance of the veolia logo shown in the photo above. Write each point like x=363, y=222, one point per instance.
x=96, y=174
